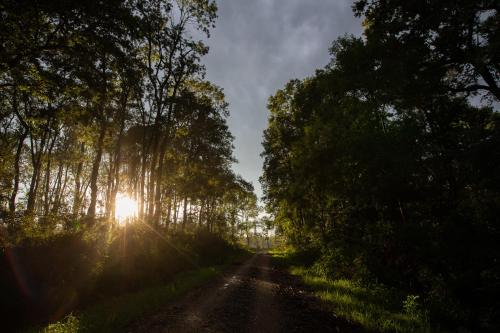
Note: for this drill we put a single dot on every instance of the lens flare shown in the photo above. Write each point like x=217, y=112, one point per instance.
x=125, y=208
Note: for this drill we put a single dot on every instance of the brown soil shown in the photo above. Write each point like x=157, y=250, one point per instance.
x=252, y=297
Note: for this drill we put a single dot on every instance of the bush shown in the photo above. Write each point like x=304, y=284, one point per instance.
x=43, y=278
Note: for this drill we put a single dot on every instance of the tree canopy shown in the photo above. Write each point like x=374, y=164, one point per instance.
x=100, y=99
x=385, y=163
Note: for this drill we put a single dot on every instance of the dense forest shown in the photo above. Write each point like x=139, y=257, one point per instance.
x=385, y=165
x=104, y=104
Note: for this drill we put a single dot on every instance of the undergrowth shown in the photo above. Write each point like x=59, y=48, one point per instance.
x=115, y=314
x=374, y=307
x=43, y=279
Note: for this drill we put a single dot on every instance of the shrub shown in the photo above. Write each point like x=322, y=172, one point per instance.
x=43, y=277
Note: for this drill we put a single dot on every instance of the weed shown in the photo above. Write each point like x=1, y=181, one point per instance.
x=115, y=314
x=374, y=307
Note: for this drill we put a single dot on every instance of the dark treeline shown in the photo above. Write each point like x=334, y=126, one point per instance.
x=101, y=100
x=106, y=97
x=386, y=163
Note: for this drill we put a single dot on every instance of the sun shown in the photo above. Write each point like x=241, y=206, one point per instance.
x=125, y=208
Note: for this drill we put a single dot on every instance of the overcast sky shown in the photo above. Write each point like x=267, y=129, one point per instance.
x=258, y=46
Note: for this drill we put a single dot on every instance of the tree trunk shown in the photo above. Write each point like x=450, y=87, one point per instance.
x=177, y=207
x=151, y=184
x=169, y=210
x=78, y=186
x=200, y=215
x=142, y=186
x=54, y=192
x=47, y=196
x=184, y=214
x=15, y=188
x=116, y=186
x=101, y=117
x=60, y=187
x=95, y=172
x=36, y=160
x=159, y=177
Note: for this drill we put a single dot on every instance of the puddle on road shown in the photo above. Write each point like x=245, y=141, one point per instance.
x=193, y=318
x=232, y=280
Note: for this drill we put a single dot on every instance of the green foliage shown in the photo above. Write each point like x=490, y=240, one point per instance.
x=373, y=306
x=454, y=40
x=45, y=278
x=113, y=315
x=412, y=306
x=69, y=324
x=383, y=167
x=102, y=99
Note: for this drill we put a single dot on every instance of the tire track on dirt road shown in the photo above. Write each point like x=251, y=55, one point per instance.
x=252, y=297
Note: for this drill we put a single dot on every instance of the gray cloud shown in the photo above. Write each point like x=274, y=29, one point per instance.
x=258, y=46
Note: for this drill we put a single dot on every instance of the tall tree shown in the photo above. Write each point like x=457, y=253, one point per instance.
x=459, y=41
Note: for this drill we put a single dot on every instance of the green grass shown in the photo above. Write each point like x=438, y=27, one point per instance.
x=374, y=308
x=115, y=314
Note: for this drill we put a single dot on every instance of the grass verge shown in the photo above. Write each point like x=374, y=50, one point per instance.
x=374, y=307
x=115, y=314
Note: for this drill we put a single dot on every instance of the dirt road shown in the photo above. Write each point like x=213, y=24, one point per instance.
x=251, y=297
